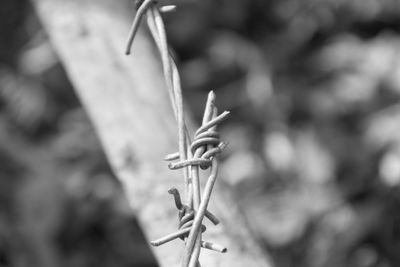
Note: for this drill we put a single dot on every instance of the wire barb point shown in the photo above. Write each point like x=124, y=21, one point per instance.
x=169, y=8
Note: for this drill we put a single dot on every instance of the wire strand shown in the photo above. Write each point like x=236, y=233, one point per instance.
x=201, y=154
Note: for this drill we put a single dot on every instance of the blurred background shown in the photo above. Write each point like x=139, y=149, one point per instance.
x=314, y=153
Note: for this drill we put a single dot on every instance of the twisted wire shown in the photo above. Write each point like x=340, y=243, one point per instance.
x=202, y=152
x=209, y=141
x=186, y=216
x=205, y=147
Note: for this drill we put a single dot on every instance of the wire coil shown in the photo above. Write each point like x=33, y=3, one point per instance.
x=206, y=138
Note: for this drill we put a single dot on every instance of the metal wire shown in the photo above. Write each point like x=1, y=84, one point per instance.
x=201, y=154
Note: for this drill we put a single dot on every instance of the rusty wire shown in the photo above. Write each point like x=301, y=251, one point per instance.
x=201, y=154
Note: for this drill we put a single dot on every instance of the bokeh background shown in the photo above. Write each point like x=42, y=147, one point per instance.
x=314, y=153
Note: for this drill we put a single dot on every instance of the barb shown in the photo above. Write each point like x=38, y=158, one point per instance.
x=204, y=146
x=202, y=152
x=178, y=203
x=186, y=217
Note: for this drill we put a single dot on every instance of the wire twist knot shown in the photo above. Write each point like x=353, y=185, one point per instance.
x=186, y=214
x=186, y=217
x=206, y=138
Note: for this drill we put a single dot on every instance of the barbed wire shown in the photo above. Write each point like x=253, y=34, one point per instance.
x=202, y=152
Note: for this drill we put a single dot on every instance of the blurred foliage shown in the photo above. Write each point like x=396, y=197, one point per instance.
x=314, y=154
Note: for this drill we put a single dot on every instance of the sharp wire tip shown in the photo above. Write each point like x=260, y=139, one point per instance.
x=169, y=8
x=212, y=95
